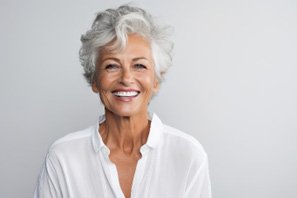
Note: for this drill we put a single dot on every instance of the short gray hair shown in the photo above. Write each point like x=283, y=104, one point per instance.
x=115, y=25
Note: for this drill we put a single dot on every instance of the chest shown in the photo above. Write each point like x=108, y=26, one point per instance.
x=126, y=166
x=151, y=175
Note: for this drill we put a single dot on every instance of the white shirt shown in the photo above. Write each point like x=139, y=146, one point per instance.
x=173, y=165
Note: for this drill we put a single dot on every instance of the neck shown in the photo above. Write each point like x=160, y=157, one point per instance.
x=126, y=134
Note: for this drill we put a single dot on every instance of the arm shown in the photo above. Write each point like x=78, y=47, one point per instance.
x=48, y=183
x=198, y=185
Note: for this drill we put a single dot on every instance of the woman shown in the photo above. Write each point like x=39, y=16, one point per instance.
x=128, y=153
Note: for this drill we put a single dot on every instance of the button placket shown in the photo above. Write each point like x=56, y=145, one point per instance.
x=113, y=177
x=139, y=171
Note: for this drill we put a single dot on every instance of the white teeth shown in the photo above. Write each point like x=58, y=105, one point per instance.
x=125, y=93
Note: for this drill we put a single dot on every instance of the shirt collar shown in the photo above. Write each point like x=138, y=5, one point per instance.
x=154, y=137
x=156, y=131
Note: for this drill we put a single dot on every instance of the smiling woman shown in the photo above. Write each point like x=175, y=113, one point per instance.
x=126, y=78
x=129, y=152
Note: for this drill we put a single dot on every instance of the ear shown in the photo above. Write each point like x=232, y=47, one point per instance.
x=95, y=88
x=156, y=86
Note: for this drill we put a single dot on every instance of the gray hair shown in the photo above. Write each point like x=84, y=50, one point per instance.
x=115, y=25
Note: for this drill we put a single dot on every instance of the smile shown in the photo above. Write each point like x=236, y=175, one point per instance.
x=125, y=93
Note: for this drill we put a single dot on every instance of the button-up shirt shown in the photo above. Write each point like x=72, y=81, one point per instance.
x=173, y=164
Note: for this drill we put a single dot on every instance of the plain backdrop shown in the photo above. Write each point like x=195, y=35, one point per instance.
x=232, y=86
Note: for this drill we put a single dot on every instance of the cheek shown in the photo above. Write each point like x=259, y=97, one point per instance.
x=149, y=84
x=103, y=83
x=103, y=97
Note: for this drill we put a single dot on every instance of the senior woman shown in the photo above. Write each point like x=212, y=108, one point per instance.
x=129, y=152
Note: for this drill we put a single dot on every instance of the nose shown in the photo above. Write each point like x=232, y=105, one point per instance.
x=126, y=76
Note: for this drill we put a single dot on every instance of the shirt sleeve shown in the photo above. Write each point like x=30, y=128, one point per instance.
x=198, y=185
x=48, y=182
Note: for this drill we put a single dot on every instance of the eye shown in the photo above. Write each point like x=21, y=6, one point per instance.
x=112, y=67
x=140, y=66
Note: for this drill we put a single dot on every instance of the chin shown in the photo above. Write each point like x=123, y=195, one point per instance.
x=125, y=112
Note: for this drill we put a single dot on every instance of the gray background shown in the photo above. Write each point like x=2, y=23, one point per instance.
x=232, y=86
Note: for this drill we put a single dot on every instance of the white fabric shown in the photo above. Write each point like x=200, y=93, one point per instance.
x=173, y=164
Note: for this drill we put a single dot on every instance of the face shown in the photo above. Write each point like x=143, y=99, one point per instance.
x=126, y=79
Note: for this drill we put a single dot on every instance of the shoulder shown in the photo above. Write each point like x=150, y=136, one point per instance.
x=184, y=143
x=74, y=136
x=72, y=141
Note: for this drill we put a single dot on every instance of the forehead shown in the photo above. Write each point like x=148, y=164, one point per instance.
x=136, y=45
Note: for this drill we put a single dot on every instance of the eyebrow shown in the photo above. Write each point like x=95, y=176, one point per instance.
x=118, y=60
x=138, y=58
x=111, y=58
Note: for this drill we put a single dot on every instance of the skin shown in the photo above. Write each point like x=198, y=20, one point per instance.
x=127, y=125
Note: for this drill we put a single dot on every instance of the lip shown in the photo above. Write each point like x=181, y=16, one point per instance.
x=126, y=90
x=125, y=98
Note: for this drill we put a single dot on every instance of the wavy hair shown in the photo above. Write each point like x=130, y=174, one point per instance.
x=114, y=25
